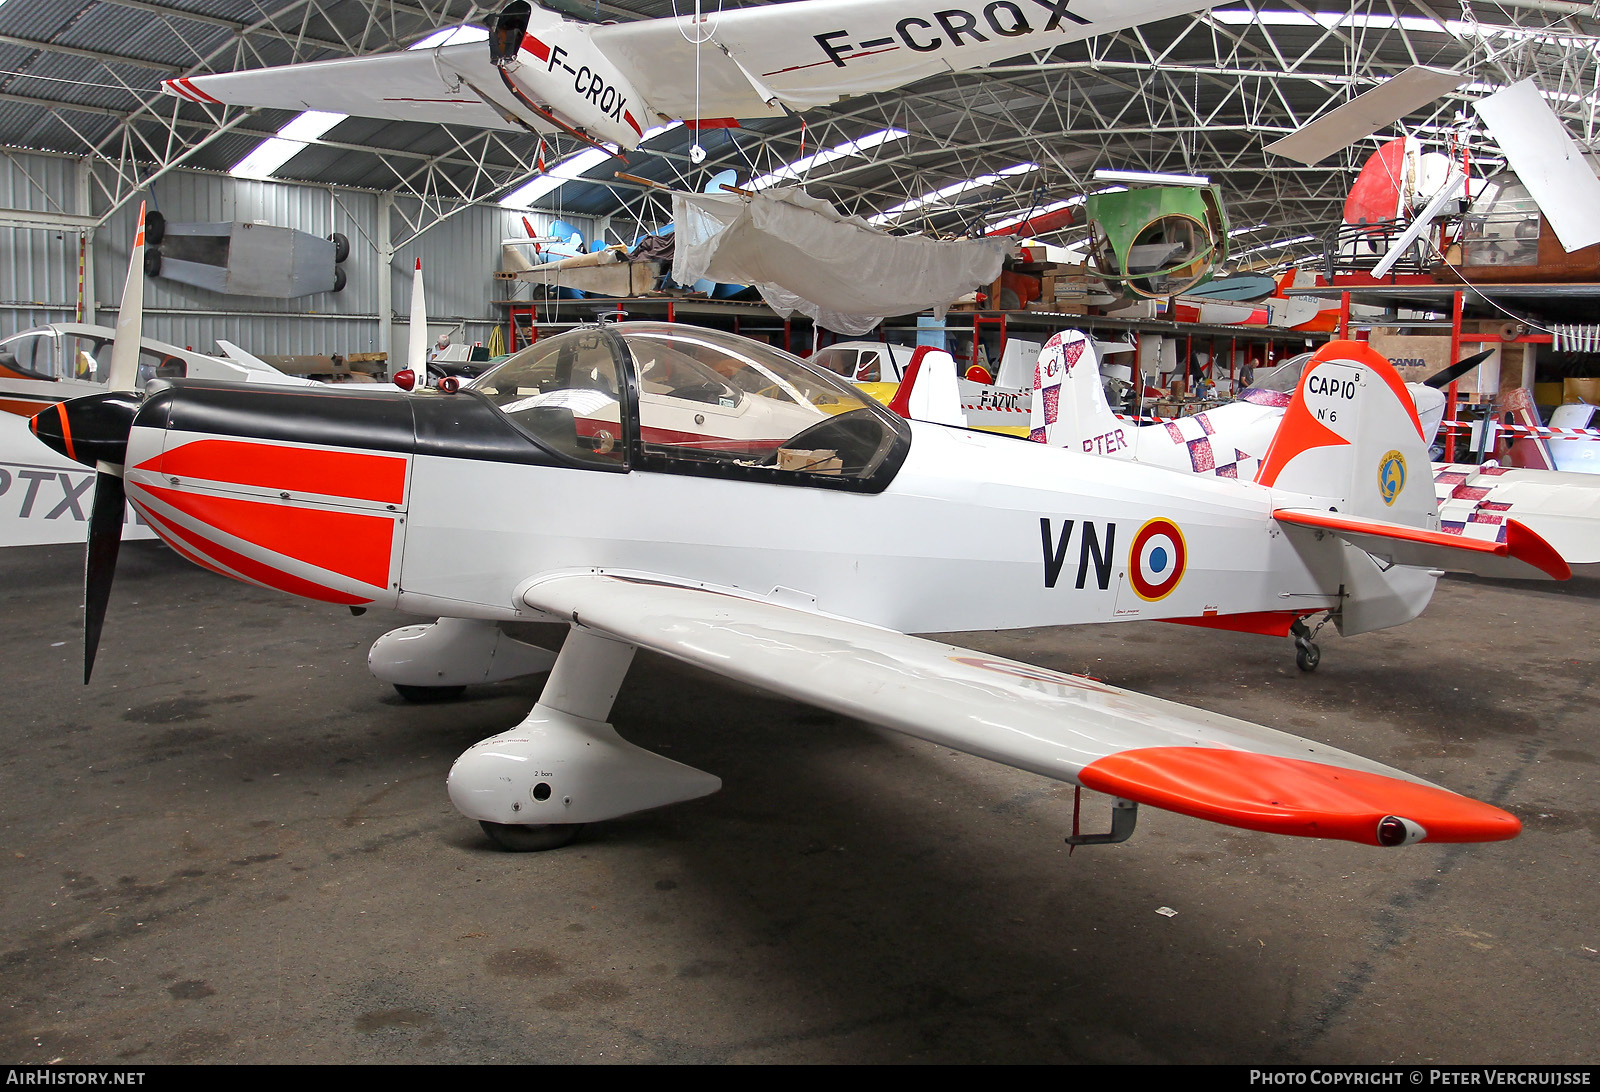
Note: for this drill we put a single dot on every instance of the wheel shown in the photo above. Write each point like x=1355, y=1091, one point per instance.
x=152, y=261
x=155, y=228
x=1307, y=656
x=532, y=839
x=341, y=247
x=427, y=695
x=338, y=278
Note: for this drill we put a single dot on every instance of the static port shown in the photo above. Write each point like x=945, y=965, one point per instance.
x=541, y=791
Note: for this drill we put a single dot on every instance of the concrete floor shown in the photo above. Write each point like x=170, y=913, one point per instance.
x=235, y=846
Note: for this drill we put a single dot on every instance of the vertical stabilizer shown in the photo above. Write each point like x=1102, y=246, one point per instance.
x=928, y=389
x=1069, y=400
x=1351, y=439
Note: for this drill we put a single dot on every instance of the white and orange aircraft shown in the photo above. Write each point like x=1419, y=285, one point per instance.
x=1235, y=441
x=666, y=487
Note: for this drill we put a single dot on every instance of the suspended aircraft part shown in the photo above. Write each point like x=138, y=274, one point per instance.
x=247, y=258
x=1160, y=240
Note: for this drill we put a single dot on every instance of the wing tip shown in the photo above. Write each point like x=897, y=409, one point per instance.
x=1295, y=796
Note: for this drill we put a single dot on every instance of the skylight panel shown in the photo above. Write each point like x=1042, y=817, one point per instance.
x=802, y=166
x=272, y=153
x=956, y=189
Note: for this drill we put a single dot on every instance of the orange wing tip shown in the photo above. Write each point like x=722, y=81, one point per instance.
x=1527, y=546
x=1295, y=796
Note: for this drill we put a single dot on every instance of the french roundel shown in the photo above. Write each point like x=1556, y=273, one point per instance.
x=1157, y=559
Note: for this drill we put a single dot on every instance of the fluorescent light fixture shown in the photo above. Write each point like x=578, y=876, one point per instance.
x=956, y=189
x=804, y=164
x=1153, y=177
x=570, y=168
x=1276, y=244
x=274, y=152
x=1236, y=232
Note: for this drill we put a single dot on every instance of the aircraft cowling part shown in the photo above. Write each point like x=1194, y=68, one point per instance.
x=454, y=652
x=1159, y=241
x=556, y=769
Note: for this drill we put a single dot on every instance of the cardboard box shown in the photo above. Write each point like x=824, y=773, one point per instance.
x=1586, y=389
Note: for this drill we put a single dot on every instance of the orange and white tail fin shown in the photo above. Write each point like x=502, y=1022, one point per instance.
x=1352, y=440
x=928, y=389
x=1069, y=401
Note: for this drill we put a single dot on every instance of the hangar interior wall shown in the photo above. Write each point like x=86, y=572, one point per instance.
x=39, y=279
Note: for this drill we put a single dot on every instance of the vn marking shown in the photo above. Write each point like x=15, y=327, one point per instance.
x=1093, y=545
x=952, y=26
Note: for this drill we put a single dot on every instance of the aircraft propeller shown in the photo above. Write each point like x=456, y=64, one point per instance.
x=94, y=431
x=1447, y=376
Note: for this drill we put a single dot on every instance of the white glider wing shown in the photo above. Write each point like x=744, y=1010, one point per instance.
x=1065, y=727
x=750, y=63
x=417, y=85
x=813, y=53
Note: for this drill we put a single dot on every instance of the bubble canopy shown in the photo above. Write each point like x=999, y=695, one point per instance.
x=682, y=399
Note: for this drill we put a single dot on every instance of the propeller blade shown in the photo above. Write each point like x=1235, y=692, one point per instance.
x=130, y=319
x=100, y=561
x=417, y=340
x=102, y=424
x=1457, y=370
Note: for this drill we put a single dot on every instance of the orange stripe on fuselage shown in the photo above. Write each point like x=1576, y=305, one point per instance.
x=248, y=568
x=1291, y=795
x=351, y=544
x=380, y=478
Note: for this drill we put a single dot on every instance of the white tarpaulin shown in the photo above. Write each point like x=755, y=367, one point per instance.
x=805, y=257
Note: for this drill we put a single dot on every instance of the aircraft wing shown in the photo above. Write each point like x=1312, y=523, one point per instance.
x=414, y=85
x=1065, y=727
x=814, y=53
x=1521, y=555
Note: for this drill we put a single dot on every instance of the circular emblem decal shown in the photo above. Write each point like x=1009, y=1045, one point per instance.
x=1391, y=476
x=1156, y=559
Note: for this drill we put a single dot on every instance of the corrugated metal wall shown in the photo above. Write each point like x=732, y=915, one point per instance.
x=39, y=268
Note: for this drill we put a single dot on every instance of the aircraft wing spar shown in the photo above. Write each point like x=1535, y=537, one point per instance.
x=1065, y=727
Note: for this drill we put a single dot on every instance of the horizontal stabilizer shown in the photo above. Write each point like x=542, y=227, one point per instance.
x=1066, y=727
x=1523, y=555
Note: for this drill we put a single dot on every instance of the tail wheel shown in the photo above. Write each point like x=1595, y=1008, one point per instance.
x=1307, y=655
